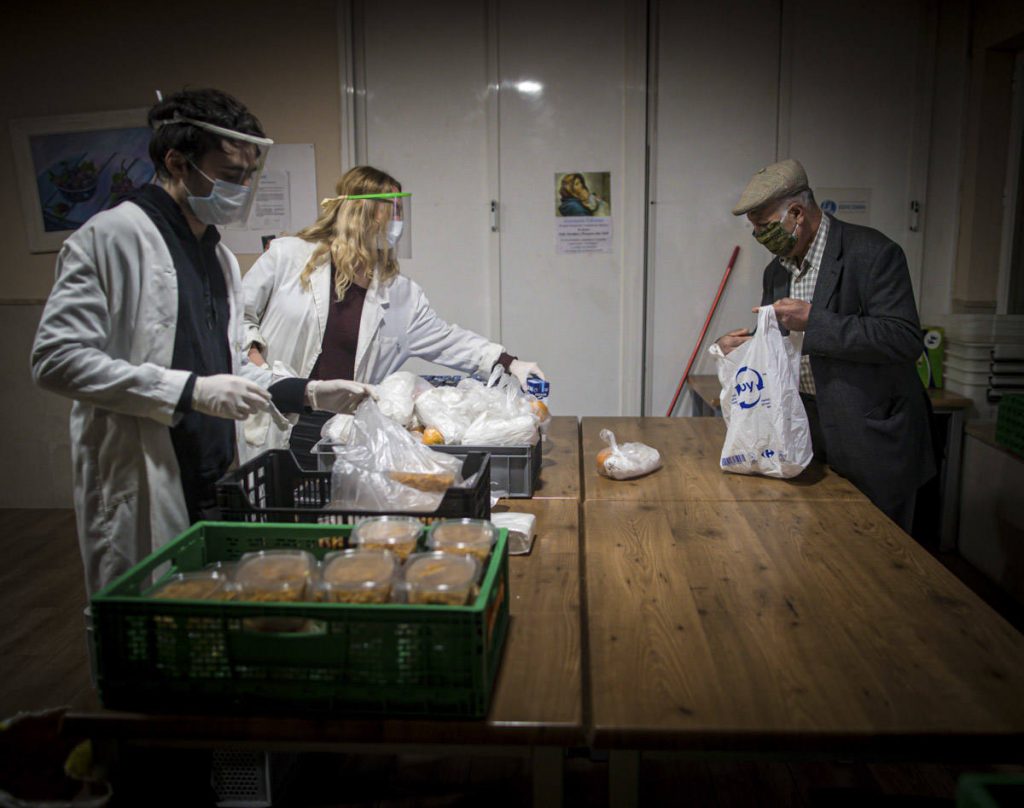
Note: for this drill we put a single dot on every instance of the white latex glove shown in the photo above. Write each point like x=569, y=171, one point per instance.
x=338, y=395
x=228, y=396
x=524, y=370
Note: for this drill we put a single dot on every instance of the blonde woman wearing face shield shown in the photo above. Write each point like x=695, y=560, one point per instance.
x=331, y=302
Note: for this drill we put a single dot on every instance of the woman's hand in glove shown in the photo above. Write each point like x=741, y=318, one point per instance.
x=338, y=395
x=228, y=396
x=524, y=370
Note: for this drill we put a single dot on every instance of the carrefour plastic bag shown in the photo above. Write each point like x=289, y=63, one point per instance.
x=383, y=467
x=623, y=461
x=767, y=432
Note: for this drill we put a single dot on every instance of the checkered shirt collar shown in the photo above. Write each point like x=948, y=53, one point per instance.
x=814, y=253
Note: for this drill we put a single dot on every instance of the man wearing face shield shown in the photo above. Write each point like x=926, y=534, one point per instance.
x=845, y=291
x=143, y=329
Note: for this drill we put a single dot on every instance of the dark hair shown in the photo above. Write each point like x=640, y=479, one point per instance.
x=209, y=106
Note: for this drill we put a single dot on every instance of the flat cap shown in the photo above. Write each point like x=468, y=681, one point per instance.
x=776, y=181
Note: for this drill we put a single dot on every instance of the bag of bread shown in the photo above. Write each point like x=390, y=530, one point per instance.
x=626, y=460
x=385, y=468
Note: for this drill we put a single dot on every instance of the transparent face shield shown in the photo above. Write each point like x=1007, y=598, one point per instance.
x=241, y=203
x=394, y=210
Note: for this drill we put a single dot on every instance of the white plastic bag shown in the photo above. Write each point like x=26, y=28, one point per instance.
x=767, y=430
x=396, y=393
x=475, y=414
x=627, y=460
x=383, y=467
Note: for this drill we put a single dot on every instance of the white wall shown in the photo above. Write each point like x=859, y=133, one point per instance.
x=717, y=92
x=427, y=125
x=444, y=115
x=839, y=86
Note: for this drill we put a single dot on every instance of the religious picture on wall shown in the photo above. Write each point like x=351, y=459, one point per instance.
x=585, y=193
x=583, y=212
x=71, y=167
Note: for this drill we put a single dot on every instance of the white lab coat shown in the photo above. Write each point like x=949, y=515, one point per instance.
x=287, y=320
x=106, y=339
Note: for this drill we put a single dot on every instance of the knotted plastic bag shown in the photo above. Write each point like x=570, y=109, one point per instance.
x=623, y=461
x=767, y=430
x=383, y=467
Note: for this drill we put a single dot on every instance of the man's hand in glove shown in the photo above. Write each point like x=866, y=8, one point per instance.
x=228, y=396
x=524, y=370
x=338, y=395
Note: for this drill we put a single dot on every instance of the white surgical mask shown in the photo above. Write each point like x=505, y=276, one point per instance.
x=227, y=203
x=394, y=231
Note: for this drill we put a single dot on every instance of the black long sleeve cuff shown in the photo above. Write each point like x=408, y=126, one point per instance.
x=505, y=360
x=289, y=395
x=184, y=405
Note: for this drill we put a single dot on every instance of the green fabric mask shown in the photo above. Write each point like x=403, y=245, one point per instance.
x=776, y=239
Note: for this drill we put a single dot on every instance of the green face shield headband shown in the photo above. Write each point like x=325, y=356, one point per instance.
x=397, y=210
x=776, y=239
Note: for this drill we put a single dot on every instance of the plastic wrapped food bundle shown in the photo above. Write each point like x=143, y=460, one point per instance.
x=357, y=576
x=438, y=578
x=397, y=534
x=476, y=414
x=624, y=461
x=474, y=537
x=396, y=393
x=385, y=468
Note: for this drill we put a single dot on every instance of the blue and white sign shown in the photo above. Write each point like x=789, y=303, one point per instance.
x=849, y=204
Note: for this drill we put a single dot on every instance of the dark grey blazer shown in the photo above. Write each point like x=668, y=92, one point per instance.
x=863, y=337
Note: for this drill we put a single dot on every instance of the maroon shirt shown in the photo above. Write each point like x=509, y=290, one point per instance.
x=337, y=358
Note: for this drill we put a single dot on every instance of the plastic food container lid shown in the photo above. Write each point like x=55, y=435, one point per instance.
x=474, y=536
x=441, y=574
x=203, y=585
x=275, y=570
x=393, y=532
x=358, y=569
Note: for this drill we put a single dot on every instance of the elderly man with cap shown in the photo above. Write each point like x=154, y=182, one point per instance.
x=845, y=289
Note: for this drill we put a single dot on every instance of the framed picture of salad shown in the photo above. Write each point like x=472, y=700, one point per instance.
x=72, y=166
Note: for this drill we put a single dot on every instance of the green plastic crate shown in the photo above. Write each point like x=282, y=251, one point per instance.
x=388, y=659
x=1010, y=423
x=990, y=790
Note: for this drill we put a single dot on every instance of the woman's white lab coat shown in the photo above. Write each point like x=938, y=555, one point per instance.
x=106, y=339
x=287, y=320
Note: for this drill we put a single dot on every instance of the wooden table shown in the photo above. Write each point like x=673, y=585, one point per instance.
x=798, y=627
x=951, y=408
x=690, y=450
x=536, y=709
x=560, y=466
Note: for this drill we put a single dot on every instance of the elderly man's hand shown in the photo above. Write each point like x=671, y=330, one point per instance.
x=792, y=314
x=733, y=340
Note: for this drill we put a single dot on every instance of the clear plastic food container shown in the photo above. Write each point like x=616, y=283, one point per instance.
x=473, y=537
x=398, y=534
x=204, y=585
x=276, y=575
x=357, y=576
x=443, y=578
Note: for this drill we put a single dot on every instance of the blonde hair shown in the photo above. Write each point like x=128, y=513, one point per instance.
x=352, y=232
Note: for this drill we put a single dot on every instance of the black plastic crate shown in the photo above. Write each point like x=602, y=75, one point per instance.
x=274, y=488
x=514, y=469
